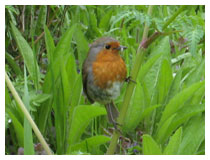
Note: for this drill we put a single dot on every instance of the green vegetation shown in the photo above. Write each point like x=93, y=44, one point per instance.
x=163, y=113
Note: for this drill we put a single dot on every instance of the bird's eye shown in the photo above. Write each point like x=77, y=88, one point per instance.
x=108, y=46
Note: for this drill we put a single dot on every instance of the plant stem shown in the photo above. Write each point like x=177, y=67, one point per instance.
x=173, y=17
x=138, y=61
x=146, y=27
x=27, y=115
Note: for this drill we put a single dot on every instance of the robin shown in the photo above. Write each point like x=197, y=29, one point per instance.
x=103, y=73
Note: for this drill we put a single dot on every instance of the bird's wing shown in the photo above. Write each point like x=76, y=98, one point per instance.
x=84, y=81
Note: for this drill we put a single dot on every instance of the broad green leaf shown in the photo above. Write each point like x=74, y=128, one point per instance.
x=201, y=150
x=89, y=143
x=135, y=110
x=147, y=66
x=182, y=116
x=93, y=24
x=175, y=86
x=12, y=11
x=162, y=47
x=59, y=56
x=50, y=46
x=77, y=91
x=150, y=147
x=151, y=78
x=178, y=101
x=160, y=136
x=63, y=45
x=71, y=70
x=65, y=86
x=28, y=138
x=198, y=96
x=197, y=74
x=148, y=111
x=60, y=117
x=164, y=81
x=104, y=22
x=27, y=53
x=82, y=116
x=193, y=135
x=174, y=143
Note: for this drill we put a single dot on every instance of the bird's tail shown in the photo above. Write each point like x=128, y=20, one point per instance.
x=112, y=112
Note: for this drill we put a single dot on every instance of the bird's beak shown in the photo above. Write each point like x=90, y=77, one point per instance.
x=121, y=48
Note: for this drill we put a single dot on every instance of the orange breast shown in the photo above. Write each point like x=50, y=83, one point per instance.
x=108, y=67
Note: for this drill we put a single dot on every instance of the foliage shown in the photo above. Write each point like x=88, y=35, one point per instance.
x=45, y=49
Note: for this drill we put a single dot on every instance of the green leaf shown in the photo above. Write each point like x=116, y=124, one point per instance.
x=182, y=116
x=71, y=69
x=50, y=46
x=174, y=143
x=8, y=100
x=147, y=66
x=63, y=45
x=198, y=96
x=160, y=136
x=28, y=138
x=150, y=79
x=150, y=147
x=76, y=92
x=175, y=86
x=148, y=111
x=135, y=110
x=178, y=101
x=27, y=53
x=104, y=22
x=19, y=130
x=60, y=55
x=162, y=47
x=93, y=24
x=194, y=36
x=10, y=60
x=39, y=98
x=82, y=116
x=41, y=21
x=164, y=81
x=197, y=74
x=193, y=135
x=89, y=143
x=82, y=45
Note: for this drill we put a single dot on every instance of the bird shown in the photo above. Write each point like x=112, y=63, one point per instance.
x=103, y=74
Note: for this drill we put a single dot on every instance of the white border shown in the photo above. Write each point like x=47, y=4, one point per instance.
x=107, y=2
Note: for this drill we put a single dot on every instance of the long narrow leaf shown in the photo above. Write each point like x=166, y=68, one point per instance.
x=27, y=53
x=28, y=138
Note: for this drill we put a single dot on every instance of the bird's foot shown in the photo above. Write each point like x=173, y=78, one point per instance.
x=129, y=79
x=116, y=127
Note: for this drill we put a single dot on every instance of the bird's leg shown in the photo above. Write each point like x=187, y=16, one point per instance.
x=115, y=124
x=129, y=79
